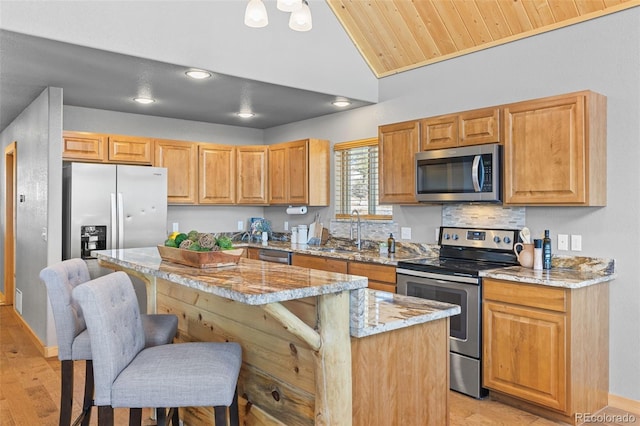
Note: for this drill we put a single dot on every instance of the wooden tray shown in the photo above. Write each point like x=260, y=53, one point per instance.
x=201, y=259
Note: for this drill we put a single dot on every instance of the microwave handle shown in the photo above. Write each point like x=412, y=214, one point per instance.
x=477, y=173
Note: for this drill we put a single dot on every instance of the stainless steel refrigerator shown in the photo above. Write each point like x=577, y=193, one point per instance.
x=108, y=206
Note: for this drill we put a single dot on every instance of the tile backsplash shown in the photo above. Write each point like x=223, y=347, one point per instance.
x=483, y=216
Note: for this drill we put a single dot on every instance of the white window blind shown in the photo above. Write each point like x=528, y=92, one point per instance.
x=356, y=168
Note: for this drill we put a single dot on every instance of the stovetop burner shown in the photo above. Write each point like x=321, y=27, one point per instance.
x=467, y=251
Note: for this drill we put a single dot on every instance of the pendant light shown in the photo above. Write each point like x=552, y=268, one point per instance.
x=300, y=19
x=255, y=16
x=289, y=5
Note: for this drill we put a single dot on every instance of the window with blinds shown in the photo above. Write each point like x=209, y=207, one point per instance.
x=356, y=168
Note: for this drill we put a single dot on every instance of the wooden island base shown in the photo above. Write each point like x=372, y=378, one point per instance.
x=398, y=377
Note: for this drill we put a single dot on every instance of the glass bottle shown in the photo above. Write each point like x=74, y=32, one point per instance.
x=546, y=250
x=391, y=244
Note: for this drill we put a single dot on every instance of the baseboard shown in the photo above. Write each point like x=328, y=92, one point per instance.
x=45, y=351
x=626, y=404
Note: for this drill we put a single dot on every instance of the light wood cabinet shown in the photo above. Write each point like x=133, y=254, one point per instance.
x=84, y=146
x=130, y=150
x=439, y=132
x=299, y=172
x=397, y=145
x=381, y=277
x=251, y=174
x=546, y=348
x=181, y=160
x=106, y=148
x=319, y=262
x=216, y=174
x=475, y=127
x=555, y=151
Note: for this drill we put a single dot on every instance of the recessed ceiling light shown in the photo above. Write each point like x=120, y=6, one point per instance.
x=341, y=103
x=144, y=100
x=245, y=114
x=198, y=74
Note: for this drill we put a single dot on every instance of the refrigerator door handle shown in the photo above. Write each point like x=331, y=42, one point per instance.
x=120, y=222
x=114, y=223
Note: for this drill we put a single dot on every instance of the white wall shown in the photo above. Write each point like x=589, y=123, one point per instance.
x=37, y=131
x=210, y=35
x=602, y=55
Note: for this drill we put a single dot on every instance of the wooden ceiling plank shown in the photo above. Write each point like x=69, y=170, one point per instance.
x=418, y=29
x=539, y=12
x=516, y=16
x=435, y=26
x=589, y=6
x=563, y=9
x=357, y=34
x=494, y=19
x=455, y=26
x=398, y=29
x=472, y=19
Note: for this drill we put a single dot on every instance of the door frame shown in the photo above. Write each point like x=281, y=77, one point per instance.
x=10, y=161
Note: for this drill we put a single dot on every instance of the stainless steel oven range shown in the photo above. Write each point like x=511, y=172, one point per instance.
x=453, y=277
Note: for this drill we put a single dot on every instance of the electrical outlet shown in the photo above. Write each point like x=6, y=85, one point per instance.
x=286, y=225
x=437, y=234
x=576, y=242
x=405, y=233
x=175, y=227
x=240, y=225
x=563, y=242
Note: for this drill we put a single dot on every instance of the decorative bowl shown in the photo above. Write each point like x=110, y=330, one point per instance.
x=201, y=259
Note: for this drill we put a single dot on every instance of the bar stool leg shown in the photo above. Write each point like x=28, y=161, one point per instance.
x=88, y=393
x=66, y=392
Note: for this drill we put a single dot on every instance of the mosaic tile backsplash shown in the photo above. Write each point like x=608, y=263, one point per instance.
x=483, y=216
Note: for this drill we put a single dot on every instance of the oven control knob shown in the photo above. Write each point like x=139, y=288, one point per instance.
x=455, y=237
x=507, y=240
x=496, y=239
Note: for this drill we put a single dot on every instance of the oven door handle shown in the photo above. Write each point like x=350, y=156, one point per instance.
x=477, y=173
x=438, y=277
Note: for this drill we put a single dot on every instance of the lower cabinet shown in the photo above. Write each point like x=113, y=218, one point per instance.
x=547, y=348
x=381, y=277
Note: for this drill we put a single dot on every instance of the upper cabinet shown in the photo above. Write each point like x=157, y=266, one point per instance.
x=251, y=174
x=130, y=150
x=474, y=127
x=216, y=174
x=555, y=151
x=181, y=160
x=104, y=148
x=84, y=146
x=299, y=172
x=397, y=146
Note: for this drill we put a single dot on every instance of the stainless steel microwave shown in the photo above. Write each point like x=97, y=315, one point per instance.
x=464, y=174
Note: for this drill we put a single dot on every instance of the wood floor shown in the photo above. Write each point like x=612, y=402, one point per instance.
x=30, y=390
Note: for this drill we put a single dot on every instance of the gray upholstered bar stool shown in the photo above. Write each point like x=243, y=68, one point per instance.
x=128, y=375
x=73, y=338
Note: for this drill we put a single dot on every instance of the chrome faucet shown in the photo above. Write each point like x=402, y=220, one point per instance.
x=358, y=229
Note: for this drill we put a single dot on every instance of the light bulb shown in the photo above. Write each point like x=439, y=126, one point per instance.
x=289, y=5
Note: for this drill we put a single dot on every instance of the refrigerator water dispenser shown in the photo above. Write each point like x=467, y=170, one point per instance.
x=92, y=237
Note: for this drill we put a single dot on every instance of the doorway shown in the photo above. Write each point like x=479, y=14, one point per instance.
x=10, y=162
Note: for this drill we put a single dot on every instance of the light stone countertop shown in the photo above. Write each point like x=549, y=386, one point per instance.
x=386, y=311
x=567, y=272
x=254, y=282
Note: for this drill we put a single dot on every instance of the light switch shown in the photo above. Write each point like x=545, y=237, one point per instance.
x=240, y=225
x=405, y=233
x=576, y=242
x=563, y=242
x=175, y=227
x=286, y=225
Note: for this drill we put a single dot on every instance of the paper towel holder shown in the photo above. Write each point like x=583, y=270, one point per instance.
x=297, y=210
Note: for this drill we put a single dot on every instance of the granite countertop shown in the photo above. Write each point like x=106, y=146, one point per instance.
x=250, y=281
x=566, y=272
x=384, y=311
x=405, y=252
x=257, y=283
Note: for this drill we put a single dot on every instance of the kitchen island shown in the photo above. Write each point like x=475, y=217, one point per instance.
x=318, y=347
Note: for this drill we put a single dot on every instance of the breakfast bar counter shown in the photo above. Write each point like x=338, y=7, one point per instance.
x=318, y=347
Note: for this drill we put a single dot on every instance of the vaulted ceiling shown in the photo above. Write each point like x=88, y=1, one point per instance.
x=398, y=35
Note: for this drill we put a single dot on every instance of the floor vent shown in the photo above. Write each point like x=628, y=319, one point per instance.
x=18, y=304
